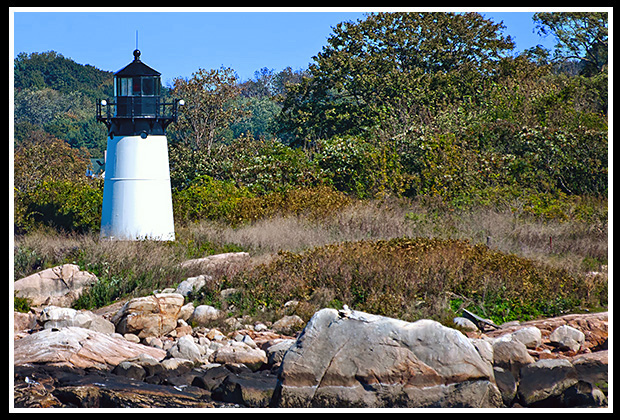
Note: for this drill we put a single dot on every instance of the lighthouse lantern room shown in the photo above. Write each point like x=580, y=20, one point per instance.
x=137, y=199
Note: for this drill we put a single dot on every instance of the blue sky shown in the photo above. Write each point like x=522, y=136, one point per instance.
x=177, y=42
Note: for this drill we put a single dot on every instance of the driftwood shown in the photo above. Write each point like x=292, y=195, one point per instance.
x=481, y=323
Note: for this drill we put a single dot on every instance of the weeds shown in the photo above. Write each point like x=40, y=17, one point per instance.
x=401, y=258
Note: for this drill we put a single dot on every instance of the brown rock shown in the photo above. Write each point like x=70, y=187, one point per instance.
x=149, y=316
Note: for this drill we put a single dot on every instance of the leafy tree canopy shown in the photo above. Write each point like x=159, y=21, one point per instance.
x=580, y=36
x=391, y=63
x=52, y=70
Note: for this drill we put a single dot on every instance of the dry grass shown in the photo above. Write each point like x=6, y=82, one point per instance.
x=559, y=243
x=134, y=268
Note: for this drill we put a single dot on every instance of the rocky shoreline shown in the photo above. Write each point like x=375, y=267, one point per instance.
x=157, y=351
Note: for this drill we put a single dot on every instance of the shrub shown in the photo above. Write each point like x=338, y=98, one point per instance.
x=410, y=278
x=207, y=198
x=361, y=168
x=315, y=203
x=64, y=204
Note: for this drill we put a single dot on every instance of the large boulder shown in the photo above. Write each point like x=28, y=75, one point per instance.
x=78, y=347
x=59, y=286
x=357, y=359
x=149, y=316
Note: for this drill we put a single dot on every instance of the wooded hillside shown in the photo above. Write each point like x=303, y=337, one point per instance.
x=391, y=106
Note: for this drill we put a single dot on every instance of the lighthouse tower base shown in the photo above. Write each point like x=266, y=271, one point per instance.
x=137, y=199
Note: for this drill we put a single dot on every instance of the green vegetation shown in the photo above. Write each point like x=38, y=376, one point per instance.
x=405, y=172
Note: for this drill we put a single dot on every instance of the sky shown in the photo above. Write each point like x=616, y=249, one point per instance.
x=179, y=41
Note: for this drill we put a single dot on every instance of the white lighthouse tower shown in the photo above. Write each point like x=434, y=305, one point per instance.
x=137, y=199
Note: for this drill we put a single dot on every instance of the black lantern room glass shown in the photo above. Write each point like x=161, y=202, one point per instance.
x=137, y=88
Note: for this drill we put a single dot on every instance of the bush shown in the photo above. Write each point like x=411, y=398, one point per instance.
x=207, y=198
x=65, y=205
x=261, y=167
x=315, y=203
x=361, y=168
x=411, y=278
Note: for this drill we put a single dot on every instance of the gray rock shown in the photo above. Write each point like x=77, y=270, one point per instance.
x=567, y=338
x=593, y=368
x=507, y=385
x=205, y=314
x=131, y=370
x=511, y=355
x=247, y=389
x=185, y=348
x=275, y=353
x=58, y=317
x=545, y=379
x=420, y=364
x=531, y=337
x=465, y=324
x=192, y=284
x=57, y=286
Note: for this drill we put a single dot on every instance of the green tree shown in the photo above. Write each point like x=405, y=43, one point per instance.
x=393, y=66
x=209, y=109
x=580, y=36
x=51, y=70
x=50, y=186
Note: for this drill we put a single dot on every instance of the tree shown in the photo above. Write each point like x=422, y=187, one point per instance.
x=581, y=36
x=393, y=65
x=209, y=108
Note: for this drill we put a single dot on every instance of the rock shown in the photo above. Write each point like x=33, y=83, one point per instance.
x=78, y=347
x=247, y=389
x=593, y=325
x=485, y=349
x=567, y=338
x=593, y=368
x=208, y=264
x=236, y=353
x=131, y=337
x=511, y=355
x=545, y=380
x=204, y=314
x=154, y=342
x=154, y=315
x=186, y=311
x=185, y=348
x=507, y=385
x=79, y=388
x=288, y=325
x=420, y=364
x=582, y=394
x=57, y=317
x=192, y=284
x=131, y=370
x=465, y=324
x=24, y=321
x=275, y=352
x=58, y=286
x=531, y=337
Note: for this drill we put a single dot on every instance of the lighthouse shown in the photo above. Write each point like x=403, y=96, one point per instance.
x=137, y=199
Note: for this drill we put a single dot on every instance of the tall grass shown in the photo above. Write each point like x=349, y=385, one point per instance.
x=355, y=268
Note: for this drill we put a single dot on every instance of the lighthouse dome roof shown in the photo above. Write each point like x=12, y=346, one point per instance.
x=136, y=68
